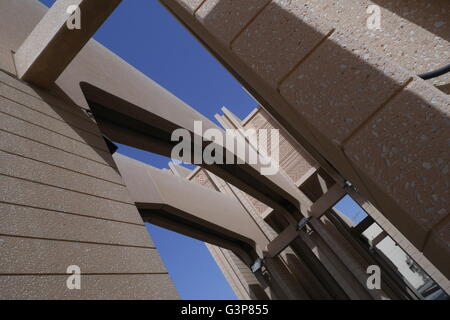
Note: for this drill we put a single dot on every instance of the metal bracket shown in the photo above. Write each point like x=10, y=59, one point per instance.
x=349, y=185
x=89, y=113
x=303, y=223
x=257, y=265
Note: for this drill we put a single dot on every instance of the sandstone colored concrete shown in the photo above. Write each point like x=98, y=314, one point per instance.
x=418, y=49
x=348, y=254
x=295, y=164
x=39, y=134
x=263, y=120
x=292, y=122
x=46, y=122
x=41, y=256
x=47, y=138
x=69, y=227
x=96, y=245
x=51, y=107
x=52, y=45
x=407, y=246
x=189, y=5
x=10, y=40
x=97, y=67
x=9, y=80
x=23, y=147
x=411, y=46
x=282, y=25
x=404, y=150
x=438, y=248
x=27, y=169
x=226, y=19
x=230, y=272
x=141, y=286
x=141, y=92
x=336, y=89
x=244, y=281
x=218, y=219
x=33, y=194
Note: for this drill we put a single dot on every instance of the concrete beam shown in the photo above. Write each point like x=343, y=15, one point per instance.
x=316, y=210
x=173, y=202
x=151, y=129
x=51, y=46
x=282, y=241
x=325, y=202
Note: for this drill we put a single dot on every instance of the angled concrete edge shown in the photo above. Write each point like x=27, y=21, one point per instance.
x=51, y=46
x=218, y=215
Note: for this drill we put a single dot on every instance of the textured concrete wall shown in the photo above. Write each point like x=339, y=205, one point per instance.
x=62, y=203
x=62, y=200
x=349, y=94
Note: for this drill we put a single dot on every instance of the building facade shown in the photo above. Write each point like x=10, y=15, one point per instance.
x=355, y=120
x=372, y=245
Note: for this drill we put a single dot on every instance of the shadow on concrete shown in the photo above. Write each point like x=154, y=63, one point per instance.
x=368, y=89
x=67, y=114
x=432, y=15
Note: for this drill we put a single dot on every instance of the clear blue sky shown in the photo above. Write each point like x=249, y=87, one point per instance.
x=145, y=35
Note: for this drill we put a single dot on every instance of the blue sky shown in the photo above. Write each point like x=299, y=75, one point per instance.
x=145, y=35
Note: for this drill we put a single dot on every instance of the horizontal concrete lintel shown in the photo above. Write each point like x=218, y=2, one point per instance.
x=52, y=45
x=282, y=241
x=330, y=198
x=218, y=215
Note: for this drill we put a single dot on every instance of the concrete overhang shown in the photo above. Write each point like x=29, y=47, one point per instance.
x=52, y=45
x=149, y=127
x=130, y=107
x=191, y=209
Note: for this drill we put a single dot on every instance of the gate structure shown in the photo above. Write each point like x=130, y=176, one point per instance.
x=355, y=121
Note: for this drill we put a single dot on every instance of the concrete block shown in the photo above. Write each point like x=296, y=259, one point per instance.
x=225, y=19
x=139, y=286
x=52, y=45
x=189, y=5
x=49, y=123
x=13, y=35
x=38, y=223
x=38, y=134
x=8, y=80
x=39, y=256
x=26, y=193
x=437, y=248
x=404, y=151
x=278, y=39
x=21, y=146
x=414, y=34
x=51, y=107
x=340, y=85
x=20, y=167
